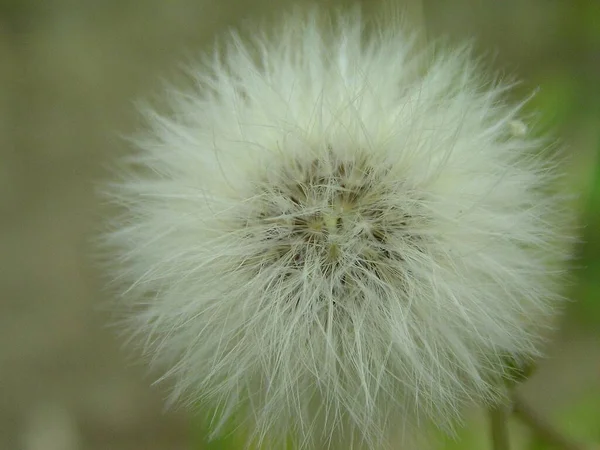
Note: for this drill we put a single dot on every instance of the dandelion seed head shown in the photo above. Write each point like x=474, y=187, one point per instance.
x=324, y=241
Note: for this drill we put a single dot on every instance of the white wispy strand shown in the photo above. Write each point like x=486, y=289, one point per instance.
x=327, y=244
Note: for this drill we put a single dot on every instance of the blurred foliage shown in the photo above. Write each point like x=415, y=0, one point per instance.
x=587, y=291
x=579, y=421
x=568, y=102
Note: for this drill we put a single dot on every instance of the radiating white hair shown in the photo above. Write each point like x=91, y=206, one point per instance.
x=326, y=243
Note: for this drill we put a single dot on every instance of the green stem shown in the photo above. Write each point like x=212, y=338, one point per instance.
x=499, y=428
x=542, y=427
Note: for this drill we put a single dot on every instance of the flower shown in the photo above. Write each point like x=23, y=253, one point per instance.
x=327, y=242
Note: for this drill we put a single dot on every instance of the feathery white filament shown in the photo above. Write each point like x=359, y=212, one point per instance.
x=333, y=244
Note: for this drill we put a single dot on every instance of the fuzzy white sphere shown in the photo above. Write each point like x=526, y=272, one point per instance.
x=328, y=244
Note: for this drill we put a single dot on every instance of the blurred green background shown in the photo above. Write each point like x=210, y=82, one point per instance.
x=70, y=71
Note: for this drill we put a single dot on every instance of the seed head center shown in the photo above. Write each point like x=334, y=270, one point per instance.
x=325, y=212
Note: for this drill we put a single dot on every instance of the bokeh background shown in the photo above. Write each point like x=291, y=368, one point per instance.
x=70, y=72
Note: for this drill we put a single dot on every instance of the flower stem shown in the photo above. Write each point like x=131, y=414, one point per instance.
x=542, y=427
x=499, y=428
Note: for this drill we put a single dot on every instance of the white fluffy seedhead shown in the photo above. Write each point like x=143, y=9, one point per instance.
x=328, y=245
